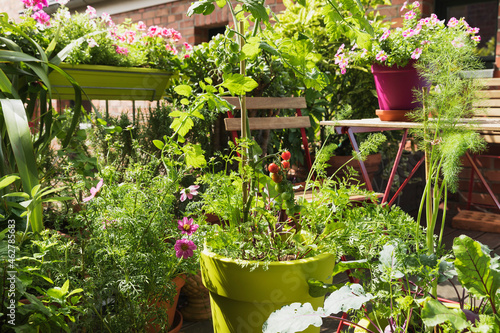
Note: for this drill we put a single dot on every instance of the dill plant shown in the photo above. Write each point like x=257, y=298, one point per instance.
x=445, y=136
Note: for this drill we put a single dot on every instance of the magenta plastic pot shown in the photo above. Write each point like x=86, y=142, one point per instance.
x=395, y=86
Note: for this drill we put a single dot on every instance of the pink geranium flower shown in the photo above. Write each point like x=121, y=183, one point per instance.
x=41, y=17
x=94, y=191
x=121, y=50
x=141, y=26
x=188, y=46
x=184, y=248
x=186, y=226
x=189, y=192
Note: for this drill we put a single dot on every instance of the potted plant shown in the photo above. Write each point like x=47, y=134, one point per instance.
x=393, y=53
x=137, y=245
x=138, y=60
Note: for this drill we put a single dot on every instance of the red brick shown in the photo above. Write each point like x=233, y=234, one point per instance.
x=492, y=175
x=187, y=23
x=179, y=9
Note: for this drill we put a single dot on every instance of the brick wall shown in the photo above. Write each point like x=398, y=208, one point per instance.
x=173, y=15
x=393, y=12
x=490, y=169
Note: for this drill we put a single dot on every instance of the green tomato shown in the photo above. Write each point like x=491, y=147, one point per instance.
x=234, y=47
x=286, y=196
x=279, y=187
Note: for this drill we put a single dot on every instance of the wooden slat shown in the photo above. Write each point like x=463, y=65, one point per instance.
x=490, y=82
x=487, y=112
x=472, y=220
x=488, y=103
x=489, y=93
x=262, y=103
x=268, y=123
x=309, y=196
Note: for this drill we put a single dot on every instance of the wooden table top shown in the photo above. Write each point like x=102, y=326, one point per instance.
x=481, y=124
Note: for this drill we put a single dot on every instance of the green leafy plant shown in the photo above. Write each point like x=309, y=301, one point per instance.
x=478, y=273
x=102, y=42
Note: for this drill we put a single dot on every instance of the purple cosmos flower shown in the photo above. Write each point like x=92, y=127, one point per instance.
x=184, y=248
x=94, y=190
x=189, y=192
x=186, y=226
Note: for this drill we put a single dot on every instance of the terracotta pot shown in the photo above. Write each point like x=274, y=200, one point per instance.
x=170, y=309
x=393, y=115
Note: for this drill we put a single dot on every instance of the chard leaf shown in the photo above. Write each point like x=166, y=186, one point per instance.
x=435, y=313
x=476, y=270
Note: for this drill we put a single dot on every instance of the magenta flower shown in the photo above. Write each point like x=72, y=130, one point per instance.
x=91, y=12
x=35, y=4
x=453, y=22
x=410, y=15
x=184, y=248
x=416, y=54
x=105, y=17
x=186, y=226
x=188, y=46
x=121, y=50
x=476, y=38
x=403, y=7
x=141, y=26
x=92, y=42
x=189, y=192
x=381, y=56
x=171, y=49
x=408, y=33
x=41, y=17
x=386, y=34
x=94, y=190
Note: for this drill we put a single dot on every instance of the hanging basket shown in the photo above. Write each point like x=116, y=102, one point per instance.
x=111, y=82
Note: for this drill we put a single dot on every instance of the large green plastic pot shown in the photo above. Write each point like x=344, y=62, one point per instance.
x=111, y=82
x=244, y=293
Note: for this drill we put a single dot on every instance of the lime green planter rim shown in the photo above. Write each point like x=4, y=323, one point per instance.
x=243, y=262
x=111, y=68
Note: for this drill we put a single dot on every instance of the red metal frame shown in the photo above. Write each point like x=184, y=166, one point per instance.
x=474, y=170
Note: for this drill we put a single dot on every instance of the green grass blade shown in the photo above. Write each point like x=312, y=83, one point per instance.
x=20, y=139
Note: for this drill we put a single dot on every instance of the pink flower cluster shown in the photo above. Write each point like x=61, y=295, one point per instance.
x=184, y=247
x=35, y=4
x=411, y=40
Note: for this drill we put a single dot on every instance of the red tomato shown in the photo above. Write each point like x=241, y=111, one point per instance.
x=273, y=168
x=286, y=155
x=285, y=164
